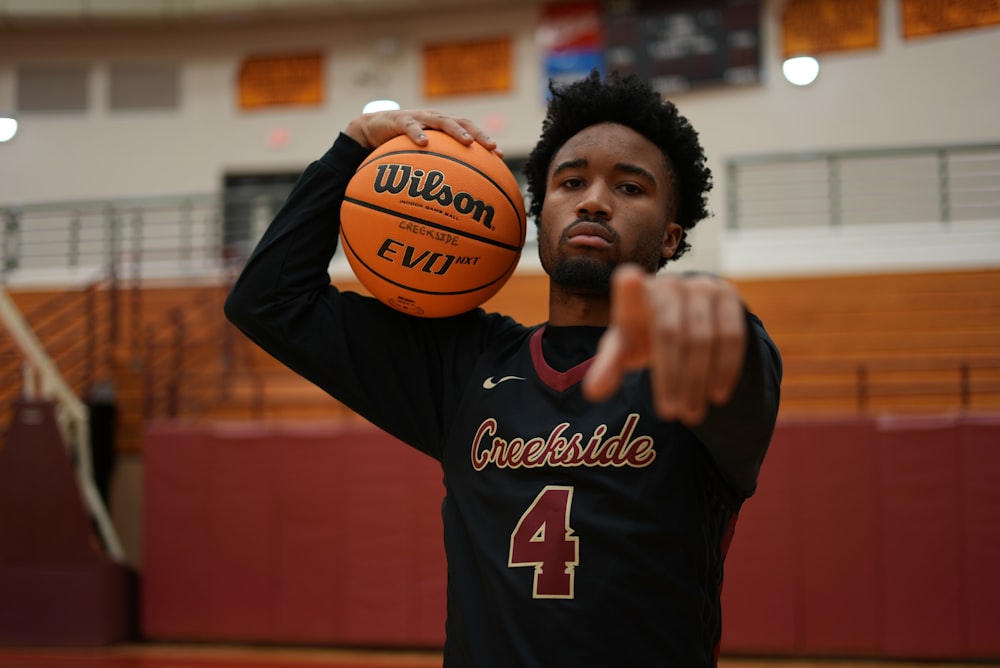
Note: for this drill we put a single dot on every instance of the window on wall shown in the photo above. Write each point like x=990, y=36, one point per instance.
x=143, y=86
x=52, y=88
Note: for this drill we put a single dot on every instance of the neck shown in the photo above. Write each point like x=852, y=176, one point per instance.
x=568, y=308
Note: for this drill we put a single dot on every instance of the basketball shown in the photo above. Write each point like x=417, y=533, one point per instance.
x=433, y=230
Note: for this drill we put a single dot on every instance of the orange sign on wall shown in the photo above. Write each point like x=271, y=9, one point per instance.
x=929, y=17
x=268, y=81
x=458, y=68
x=811, y=27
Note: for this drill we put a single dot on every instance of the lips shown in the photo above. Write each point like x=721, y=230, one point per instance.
x=588, y=233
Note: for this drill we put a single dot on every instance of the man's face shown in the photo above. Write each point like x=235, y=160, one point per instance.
x=609, y=200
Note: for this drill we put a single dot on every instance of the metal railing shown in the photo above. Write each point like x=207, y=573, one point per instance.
x=190, y=359
x=43, y=379
x=121, y=244
x=870, y=385
x=155, y=236
x=856, y=187
x=206, y=233
x=74, y=328
x=105, y=254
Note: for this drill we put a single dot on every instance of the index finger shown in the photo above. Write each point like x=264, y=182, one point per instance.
x=625, y=344
x=466, y=132
x=461, y=129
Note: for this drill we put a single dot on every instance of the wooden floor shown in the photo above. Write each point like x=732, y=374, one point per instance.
x=202, y=656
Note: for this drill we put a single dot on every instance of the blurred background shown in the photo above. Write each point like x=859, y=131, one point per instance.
x=210, y=495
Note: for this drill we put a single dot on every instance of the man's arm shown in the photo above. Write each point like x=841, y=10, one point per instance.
x=711, y=364
x=381, y=363
x=387, y=366
x=738, y=432
x=288, y=271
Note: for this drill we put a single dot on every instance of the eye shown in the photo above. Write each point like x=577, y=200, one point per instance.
x=632, y=188
x=572, y=183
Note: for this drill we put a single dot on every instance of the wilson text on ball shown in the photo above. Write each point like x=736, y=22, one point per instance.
x=430, y=186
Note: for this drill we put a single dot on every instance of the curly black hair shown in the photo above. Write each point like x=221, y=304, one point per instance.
x=629, y=101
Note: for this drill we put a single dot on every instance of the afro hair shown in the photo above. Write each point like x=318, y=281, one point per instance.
x=629, y=101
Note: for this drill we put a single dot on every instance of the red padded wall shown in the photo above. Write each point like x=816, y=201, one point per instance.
x=865, y=538
x=921, y=548
x=291, y=535
x=837, y=532
x=58, y=586
x=760, y=600
x=980, y=504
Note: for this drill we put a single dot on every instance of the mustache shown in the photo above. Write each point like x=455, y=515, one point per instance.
x=600, y=220
x=606, y=229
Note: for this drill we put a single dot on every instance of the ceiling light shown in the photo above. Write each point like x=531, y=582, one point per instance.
x=380, y=105
x=8, y=128
x=801, y=70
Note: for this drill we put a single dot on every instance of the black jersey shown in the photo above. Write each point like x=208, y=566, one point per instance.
x=577, y=534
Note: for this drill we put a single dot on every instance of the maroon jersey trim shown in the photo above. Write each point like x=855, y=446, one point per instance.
x=560, y=381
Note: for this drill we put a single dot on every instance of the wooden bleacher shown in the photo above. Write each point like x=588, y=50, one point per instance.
x=913, y=343
x=907, y=337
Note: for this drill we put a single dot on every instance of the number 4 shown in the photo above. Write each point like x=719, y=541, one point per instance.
x=543, y=539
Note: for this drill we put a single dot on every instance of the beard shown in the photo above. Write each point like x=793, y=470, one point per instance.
x=582, y=274
x=590, y=273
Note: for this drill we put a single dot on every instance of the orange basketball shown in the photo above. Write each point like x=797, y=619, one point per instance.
x=433, y=230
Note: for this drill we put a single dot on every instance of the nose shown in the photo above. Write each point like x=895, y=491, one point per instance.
x=595, y=201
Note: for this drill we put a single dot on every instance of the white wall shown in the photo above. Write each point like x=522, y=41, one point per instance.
x=60, y=156
x=936, y=90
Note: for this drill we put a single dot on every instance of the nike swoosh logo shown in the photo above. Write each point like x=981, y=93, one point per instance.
x=489, y=383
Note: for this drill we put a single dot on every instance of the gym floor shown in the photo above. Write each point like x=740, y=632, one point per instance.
x=237, y=656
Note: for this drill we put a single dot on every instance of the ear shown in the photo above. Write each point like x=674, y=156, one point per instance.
x=673, y=233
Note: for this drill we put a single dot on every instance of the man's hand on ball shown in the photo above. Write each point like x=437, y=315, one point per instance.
x=690, y=331
x=374, y=129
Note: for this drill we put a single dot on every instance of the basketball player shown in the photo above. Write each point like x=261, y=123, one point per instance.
x=594, y=465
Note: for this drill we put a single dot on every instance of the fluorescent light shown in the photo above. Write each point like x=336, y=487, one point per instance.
x=801, y=71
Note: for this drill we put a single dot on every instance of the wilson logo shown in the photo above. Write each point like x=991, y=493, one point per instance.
x=424, y=260
x=429, y=186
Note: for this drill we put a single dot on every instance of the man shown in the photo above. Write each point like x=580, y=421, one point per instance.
x=590, y=498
